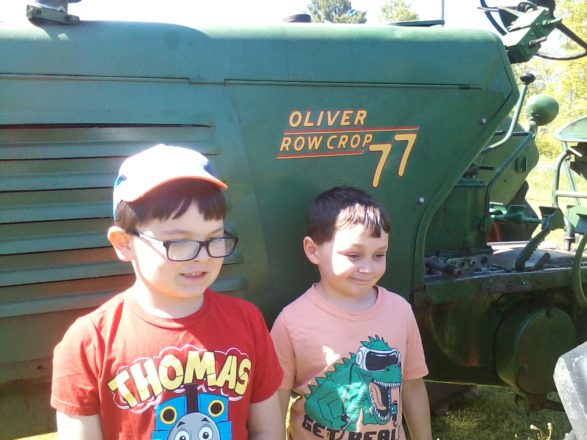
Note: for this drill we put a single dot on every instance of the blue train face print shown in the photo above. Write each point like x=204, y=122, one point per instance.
x=193, y=416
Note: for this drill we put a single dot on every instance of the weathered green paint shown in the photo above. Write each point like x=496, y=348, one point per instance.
x=528, y=344
x=542, y=109
x=505, y=188
x=77, y=100
x=575, y=131
x=461, y=230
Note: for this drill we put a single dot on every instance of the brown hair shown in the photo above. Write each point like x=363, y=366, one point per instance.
x=341, y=207
x=171, y=200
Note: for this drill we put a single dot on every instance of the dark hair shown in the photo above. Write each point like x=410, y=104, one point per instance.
x=171, y=200
x=341, y=207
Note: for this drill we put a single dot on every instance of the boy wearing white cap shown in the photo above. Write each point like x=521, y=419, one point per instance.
x=168, y=358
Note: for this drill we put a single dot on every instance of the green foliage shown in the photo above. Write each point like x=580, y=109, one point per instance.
x=397, y=10
x=335, y=11
x=566, y=81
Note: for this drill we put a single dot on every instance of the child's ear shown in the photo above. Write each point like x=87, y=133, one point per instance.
x=121, y=242
x=311, y=250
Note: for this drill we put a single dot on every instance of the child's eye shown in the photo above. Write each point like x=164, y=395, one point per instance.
x=380, y=256
x=353, y=256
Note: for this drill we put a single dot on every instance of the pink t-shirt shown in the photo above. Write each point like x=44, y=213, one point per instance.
x=154, y=378
x=347, y=367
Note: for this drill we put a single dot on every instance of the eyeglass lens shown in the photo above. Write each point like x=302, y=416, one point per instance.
x=186, y=250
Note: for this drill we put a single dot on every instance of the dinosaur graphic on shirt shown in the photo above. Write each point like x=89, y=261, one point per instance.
x=364, y=386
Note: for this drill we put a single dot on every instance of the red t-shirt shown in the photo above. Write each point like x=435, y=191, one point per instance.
x=148, y=377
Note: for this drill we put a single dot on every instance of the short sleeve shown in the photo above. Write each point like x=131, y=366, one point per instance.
x=74, y=388
x=268, y=373
x=415, y=362
x=285, y=351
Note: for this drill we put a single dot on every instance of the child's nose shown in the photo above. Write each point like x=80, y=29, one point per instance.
x=366, y=267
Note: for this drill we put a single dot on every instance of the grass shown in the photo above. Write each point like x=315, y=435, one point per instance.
x=50, y=436
x=494, y=415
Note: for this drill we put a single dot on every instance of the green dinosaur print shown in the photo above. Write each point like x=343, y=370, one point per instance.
x=364, y=386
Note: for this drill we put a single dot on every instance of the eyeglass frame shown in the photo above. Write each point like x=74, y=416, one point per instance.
x=201, y=244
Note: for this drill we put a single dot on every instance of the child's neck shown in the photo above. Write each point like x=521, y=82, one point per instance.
x=348, y=303
x=165, y=307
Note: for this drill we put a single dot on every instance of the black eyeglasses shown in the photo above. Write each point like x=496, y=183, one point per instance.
x=185, y=250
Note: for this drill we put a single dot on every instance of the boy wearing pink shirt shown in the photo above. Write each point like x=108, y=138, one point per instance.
x=350, y=350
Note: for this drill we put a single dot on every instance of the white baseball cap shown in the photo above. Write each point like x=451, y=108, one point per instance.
x=157, y=165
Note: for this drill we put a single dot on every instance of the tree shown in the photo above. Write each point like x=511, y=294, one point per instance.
x=566, y=81
x=335, y=11
x=571, y=89
x=397, y=10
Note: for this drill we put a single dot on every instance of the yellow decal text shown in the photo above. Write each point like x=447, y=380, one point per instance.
x=343, y=133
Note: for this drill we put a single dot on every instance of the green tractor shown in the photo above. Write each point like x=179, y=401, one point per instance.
x=419, y=116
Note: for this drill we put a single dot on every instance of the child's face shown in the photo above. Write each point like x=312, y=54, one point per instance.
x=176, y=280
x=351, y=263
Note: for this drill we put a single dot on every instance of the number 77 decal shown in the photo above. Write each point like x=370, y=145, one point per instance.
x=385, y=150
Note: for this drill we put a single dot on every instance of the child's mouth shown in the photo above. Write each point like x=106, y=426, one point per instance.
x=361, y=281
x=194, y=275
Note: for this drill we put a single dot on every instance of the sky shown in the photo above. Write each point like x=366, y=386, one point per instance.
x=457, y=13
